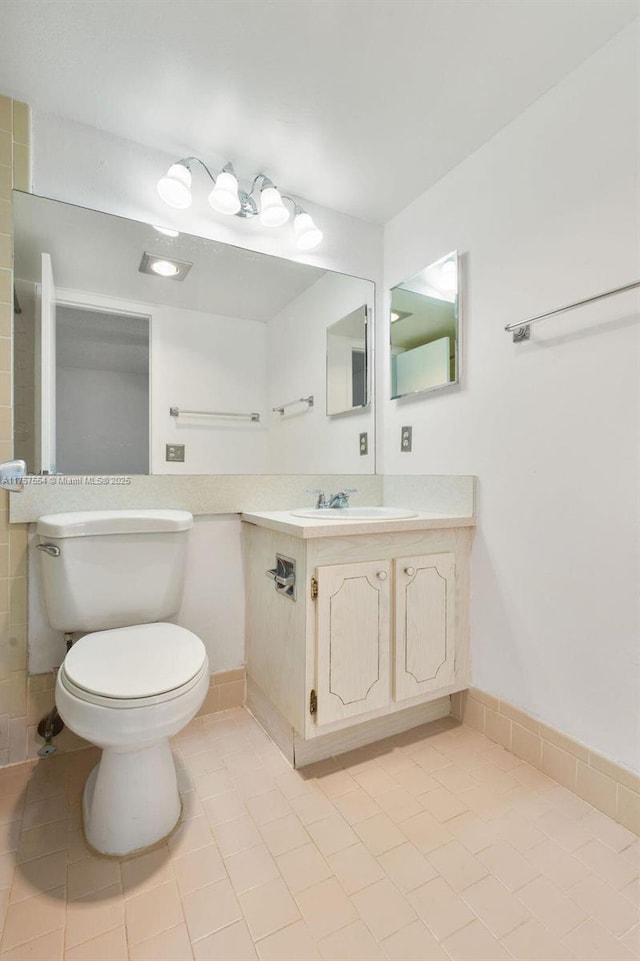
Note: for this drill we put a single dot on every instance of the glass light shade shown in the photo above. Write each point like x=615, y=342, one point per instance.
x=307, y=234
x=164, y=267
x=273, y=212
x=224, y=196
x=175, y=186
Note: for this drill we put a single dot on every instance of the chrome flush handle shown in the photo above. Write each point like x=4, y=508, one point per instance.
x=50, y=549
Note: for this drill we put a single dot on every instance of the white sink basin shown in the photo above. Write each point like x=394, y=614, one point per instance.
x=355, y=513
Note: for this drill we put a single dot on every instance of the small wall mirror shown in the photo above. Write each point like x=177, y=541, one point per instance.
x=347, y=368
x=425, y=335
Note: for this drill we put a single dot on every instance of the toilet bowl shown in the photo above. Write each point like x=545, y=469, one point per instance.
x=128, y=691
x=134, y=680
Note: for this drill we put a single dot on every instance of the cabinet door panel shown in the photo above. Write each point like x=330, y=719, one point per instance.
x=425, y=624
x=352, y=639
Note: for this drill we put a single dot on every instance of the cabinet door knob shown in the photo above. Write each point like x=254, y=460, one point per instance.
x=382, y=575
x=410, y=571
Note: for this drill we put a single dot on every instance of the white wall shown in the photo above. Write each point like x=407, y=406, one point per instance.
x=306, y=439
x=545, y=213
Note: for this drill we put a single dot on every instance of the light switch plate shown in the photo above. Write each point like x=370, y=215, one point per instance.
x=364, y=444
x=406, y=439
x=175, y=453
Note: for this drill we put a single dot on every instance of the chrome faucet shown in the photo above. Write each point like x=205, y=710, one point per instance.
x=341, y=499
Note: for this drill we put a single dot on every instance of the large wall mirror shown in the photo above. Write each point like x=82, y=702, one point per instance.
x=347, y=363
x=134, y=346
x=425, y=329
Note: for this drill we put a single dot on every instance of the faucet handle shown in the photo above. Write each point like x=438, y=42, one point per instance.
x=322, y=500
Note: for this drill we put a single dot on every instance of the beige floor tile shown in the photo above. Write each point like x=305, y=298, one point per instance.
x=268, y=807
x=393, y=762
x=145, y=871
x=292, y=784
x=615, y=835
x=353, y=943
x=153, y=911
x=441, y=909
x=508, y=865
x=605, y=905
x=457, y=866
x=355, y=868
x=95, y=873
x=34, y=877
x=546, y=902
x=32, y=918
x=312, y=806
x=332, y=834
x=50, y=947
x=426, y=832
x=190, y=835
x=356, y=806
x=591, y=942
x=171, y=945
x=415, y=780
x=111, y=946
x=268, y=908
x=407, y=867
x=303, y=867
x=212, y=784
x=293, y=943
x=383, y=909
x=204, y=762
x=375, y=780
x=455, y=779
x=533, y=942
x=284, y=834
x=475, y=943
x=198, y=869
x=250, y=868
x=93, y=916
x=399, y=804
x=442, y=804
x=233, y=943
x=632, y=892
x=211, y=908
x=631, y=940
x=565, y=829
x=325, y=908
x=413, y=943
x=379, y=834
x=556, y=864
x=427, y=757
x=519, y=831
x=475, y=833
x=225, y=807
x=336, y=783
x=7, y=866
x=608, y=865
x=238, y=835
x=496, y=907
x=255, y=782
x=44, y=812
x=43, y=840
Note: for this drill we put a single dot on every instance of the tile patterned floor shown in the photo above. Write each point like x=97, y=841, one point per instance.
x=433, y=845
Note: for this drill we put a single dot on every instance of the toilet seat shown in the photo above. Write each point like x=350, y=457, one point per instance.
x=134, y=666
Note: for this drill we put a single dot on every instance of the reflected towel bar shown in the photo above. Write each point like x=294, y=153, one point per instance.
x=521, y=330
x=301, y=400
x=176, y=411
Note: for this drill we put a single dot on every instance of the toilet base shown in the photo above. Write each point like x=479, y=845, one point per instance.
x=131, y=799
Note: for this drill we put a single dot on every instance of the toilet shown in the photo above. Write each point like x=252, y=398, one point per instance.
x=133, y=680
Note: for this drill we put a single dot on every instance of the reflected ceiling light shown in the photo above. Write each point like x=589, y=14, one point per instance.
x=448, y=278
x=399, y=315
x=167, y=231
x=164, y=267
x=263, y=199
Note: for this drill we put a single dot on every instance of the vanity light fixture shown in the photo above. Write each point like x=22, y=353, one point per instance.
x=263, y=200
x=164, y=267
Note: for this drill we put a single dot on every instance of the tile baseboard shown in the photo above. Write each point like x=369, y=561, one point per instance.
x=609, y=787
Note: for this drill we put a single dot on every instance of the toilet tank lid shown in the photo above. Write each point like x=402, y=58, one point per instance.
x=86, y=523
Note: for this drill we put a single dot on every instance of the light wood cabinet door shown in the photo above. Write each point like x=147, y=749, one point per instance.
x=424, y=624
x=353, y=639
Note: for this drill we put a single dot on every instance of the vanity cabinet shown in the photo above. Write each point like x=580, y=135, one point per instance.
x=376, y=640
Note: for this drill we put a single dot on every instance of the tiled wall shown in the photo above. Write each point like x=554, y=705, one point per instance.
x=611, y=788
x=15, y=125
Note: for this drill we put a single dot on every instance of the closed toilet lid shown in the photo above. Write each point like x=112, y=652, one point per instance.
x=135, y=662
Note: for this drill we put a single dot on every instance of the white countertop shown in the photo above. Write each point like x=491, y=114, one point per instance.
x=306, y=527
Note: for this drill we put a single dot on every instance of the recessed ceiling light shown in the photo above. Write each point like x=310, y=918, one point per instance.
x=164, y=267
x=167, y=231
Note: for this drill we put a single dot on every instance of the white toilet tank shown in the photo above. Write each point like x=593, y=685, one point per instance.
x=106, y=569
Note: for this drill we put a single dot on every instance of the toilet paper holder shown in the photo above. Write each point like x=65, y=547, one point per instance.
x=284, y=576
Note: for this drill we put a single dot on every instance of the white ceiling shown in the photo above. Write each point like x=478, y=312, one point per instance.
x=358, y=106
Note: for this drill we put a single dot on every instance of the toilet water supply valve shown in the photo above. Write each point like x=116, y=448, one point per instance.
x=51, y=724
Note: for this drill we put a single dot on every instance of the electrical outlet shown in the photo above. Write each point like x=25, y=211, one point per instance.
x=364, y=444
x=175, y=453
x=406, y=439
